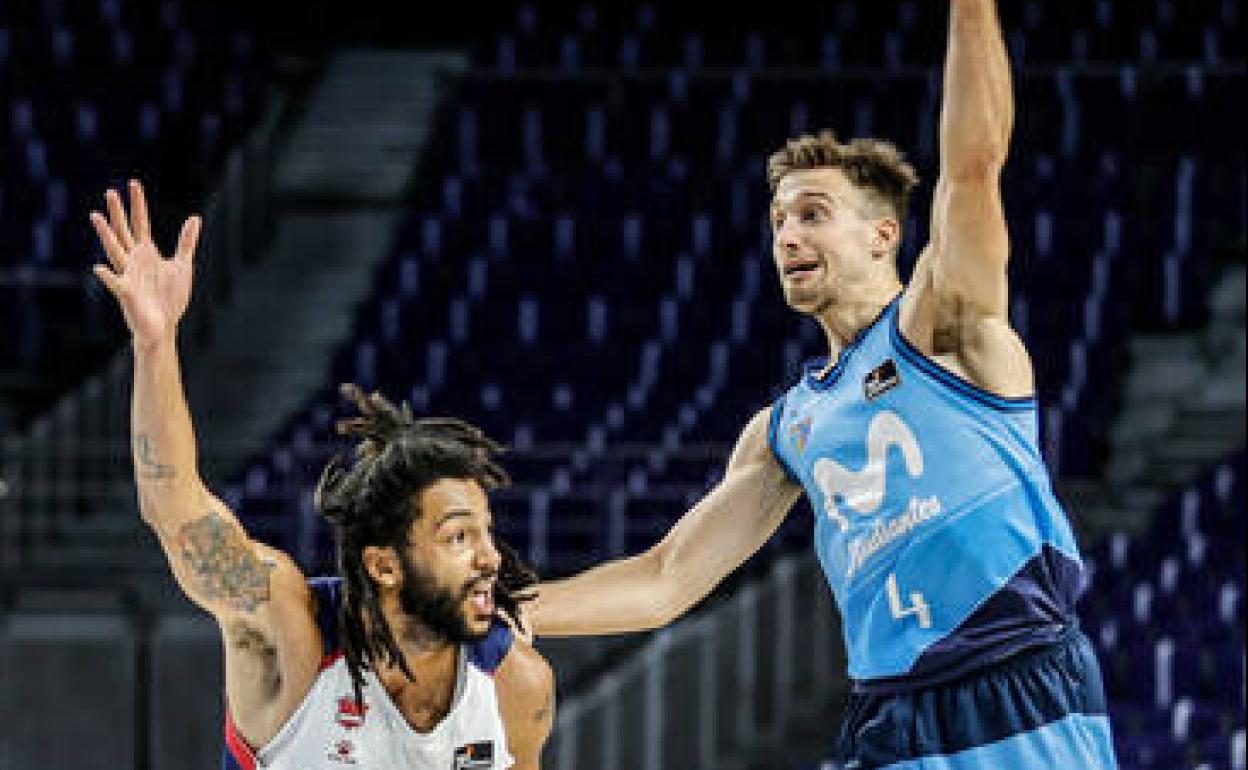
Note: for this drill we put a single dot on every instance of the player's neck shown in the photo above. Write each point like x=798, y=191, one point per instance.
x=425, y=698
x=424, y=650
x=843, y=320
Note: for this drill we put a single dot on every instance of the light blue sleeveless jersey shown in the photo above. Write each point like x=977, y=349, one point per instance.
x=935, y=522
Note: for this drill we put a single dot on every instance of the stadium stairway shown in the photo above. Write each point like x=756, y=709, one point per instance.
x=339, y=187
x=1182, y=408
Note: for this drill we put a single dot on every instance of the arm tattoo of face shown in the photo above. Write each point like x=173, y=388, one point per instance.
x=150, y=466
x=222, y=563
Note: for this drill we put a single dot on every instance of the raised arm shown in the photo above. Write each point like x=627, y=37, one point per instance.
x=957, y=301
x=710, y=541
x=976, y=121
x=257, y=594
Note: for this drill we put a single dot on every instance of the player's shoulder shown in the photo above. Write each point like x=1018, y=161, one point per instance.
x=525, y=687
x=525, y=674
x=286, y=577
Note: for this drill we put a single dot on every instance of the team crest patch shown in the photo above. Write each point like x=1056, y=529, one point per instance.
x=881, y=379
x=342, y=752
x=475, y=756
x=351, y=713
x=799, y=433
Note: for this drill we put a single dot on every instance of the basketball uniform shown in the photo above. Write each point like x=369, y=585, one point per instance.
x=953, y=564
x=330, y=731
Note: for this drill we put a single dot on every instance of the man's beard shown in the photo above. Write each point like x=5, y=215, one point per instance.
x=438, y=609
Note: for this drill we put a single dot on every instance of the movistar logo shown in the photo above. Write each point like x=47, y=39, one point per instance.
x=863, y=490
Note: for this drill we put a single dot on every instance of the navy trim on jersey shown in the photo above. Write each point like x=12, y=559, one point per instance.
x=328, y=592
x=817, y=383
x=816, y=365
x=773, y=438
x=952, y=381
x=1016, y=696
x=1035, y=608
x=488, y=653
x=228, y=762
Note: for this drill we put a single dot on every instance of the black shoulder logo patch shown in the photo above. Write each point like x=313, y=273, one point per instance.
x=881, y=379
x=475, y=756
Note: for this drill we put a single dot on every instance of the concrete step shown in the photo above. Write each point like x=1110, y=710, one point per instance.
x=1220, y=423
x=1142, y=426
x=1196, y=448
x=336, y=155
x=1153, y=347
x=1224, y=391
x=290, y=320
x=1137, y=503
x=1162, y=377
x=1227, y=300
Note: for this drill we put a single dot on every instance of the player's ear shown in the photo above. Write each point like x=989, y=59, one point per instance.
x=885, y=237
x=382, y=565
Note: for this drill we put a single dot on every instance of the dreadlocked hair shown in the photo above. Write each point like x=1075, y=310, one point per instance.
x=373, y=502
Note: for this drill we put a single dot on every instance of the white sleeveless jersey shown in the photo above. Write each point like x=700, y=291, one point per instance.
x=329, y=731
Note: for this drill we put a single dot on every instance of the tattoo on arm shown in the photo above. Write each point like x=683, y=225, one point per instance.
x=249, y=641
x=150, y=466
x=222, y=564
x=544, y=713
x=777, y=491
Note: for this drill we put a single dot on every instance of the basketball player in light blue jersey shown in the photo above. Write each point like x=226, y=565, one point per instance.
x=952, y=563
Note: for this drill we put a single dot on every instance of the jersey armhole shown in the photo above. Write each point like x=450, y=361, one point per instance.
x=773, y=439
x=328, y=592
x=238, y=755
x=951, y=382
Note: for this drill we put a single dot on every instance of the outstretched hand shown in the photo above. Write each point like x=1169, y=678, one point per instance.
x=523, y=629
x=153, y=291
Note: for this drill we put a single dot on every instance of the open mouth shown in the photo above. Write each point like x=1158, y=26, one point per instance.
x=481, y=598
x=800, y=268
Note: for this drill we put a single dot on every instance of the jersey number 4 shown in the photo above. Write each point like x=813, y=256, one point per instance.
x=918, y=606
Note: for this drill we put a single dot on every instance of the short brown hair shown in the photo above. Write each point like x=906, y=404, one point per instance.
x=872, y=164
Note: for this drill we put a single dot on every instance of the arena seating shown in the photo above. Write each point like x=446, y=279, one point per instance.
x=586, y=269
x=1164, y=611
x=586, y=274
x=91, y=93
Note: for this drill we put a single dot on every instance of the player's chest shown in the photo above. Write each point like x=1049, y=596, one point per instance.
x=850, y=419
x=343, y=735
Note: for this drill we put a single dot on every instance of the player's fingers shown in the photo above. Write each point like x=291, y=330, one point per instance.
x=188, y=240
x=140, y=224
x=108, y=239
x=117, y=219
x=521, y=627
x=352, y=393
x=111, y=280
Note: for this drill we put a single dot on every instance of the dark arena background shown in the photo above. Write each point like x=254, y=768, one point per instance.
x=550, y=220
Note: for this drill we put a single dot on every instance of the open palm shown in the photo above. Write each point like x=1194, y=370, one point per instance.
x=153, y=291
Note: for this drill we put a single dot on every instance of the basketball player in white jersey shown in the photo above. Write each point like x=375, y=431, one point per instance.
x=401, y=661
